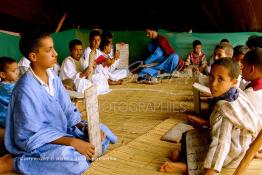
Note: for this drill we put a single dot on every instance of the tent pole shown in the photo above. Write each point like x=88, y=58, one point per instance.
x=251, y=152
x=61, y=23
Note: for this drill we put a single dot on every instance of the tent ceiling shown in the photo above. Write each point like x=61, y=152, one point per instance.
x=198, y=15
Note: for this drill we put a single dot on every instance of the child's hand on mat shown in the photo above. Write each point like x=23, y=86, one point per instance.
x=83, y=147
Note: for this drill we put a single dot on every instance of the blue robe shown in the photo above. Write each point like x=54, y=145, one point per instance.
x=5, y=95
x=34, y=119
x=166, y=63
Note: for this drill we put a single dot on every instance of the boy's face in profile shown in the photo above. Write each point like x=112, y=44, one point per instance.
x=247, y=71
x=77, y=52
x=45, y=56
x=239, y=58
x=152, y=34
x=11, y=72
x=220, y=81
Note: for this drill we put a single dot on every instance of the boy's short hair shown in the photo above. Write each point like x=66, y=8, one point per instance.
x=196, y=42
x=254, y=58
x=94, y=33
x=254, y=41
x=106, y=35
x=73, y=43
x=240, y=50
x=30, y=41
x=224, y=40
x=4, y=61
x=232, y=66
x=227, y=48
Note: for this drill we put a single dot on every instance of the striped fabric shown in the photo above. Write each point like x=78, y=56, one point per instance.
x=234, y=126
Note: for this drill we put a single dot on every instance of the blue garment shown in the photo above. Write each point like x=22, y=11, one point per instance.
x=5, y=95
x=166, y=64
x=230, y=95
x=34, y=119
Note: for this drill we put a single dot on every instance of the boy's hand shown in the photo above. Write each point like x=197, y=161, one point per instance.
x=197, y=122
x=117, y=55
x=103, y=135
x=210, y=172
x=83, y=147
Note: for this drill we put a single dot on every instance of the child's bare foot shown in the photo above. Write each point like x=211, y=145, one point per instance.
x=119, y=82
x=6, y=164
x=258, y=155
x=174, y=155
x=173, y=167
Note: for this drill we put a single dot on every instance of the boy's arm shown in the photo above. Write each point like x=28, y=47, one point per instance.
x=204, y=64
x=81, y=146
x=220, y=145
x=187, y=62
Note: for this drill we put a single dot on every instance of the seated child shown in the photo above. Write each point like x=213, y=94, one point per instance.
x=162, y=53
x=44, y=131
x=197, y=57
x=92, y=53
x=116, y=76
x=252, y=72
x=233, y=117
x=72, y=67
x=221, y=51
x=106, y=37
x=9, y=74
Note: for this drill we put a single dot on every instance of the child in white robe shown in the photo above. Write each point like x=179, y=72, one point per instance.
x=72, y=67
x=91, y=53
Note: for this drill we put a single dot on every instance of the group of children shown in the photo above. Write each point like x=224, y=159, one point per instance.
x=56, y=141
x=235, y=119
x=44, y=133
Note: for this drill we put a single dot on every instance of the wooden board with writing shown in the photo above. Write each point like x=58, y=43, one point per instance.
x=123, y=48
x=197, y=145
x=94, y=132
x=175, y=133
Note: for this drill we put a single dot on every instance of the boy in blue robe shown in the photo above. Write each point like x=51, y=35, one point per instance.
x=44, y=132
x=9, y=74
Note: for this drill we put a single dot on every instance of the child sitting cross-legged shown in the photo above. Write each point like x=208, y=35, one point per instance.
x=233, y=123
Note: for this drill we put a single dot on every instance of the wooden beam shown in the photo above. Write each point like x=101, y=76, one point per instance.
x=251, y=152
x=61, y=23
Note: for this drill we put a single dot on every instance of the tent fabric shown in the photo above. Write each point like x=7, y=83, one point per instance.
x=199, y=15
x=137, y=40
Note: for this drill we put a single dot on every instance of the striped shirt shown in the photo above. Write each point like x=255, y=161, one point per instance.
x=234, y=126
